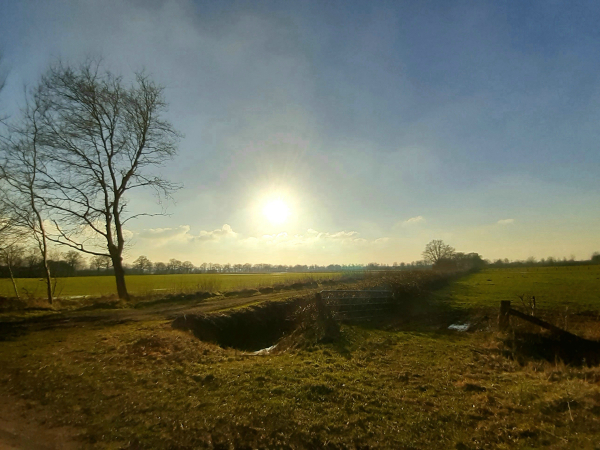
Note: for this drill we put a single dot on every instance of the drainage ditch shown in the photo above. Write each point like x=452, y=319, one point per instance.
x=247, y=329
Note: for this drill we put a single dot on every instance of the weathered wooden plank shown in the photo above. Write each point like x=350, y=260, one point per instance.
x=541, y=323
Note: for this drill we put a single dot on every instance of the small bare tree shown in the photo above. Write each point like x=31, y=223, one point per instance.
x=103, y=137
x=22, y=183
x=11, y=255
x=436, y=250
x=10, y=235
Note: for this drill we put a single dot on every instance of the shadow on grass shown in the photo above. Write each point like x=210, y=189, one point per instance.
x=10, y=330
x=574, y=351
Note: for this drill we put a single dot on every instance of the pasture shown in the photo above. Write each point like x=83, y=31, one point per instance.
x=408, y=382
x=555, y=288
x=148, y=285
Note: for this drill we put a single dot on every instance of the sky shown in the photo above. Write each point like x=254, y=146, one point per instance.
x=380, y=125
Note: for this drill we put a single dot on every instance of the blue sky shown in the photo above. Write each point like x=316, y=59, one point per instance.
x=383, y=124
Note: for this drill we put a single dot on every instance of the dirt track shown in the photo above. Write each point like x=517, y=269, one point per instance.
x=22, y=427
x=15, y=325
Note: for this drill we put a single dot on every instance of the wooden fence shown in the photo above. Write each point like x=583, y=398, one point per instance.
x=355, y=305
x=506, y=311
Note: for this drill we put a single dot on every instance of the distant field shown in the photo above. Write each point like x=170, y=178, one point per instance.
x=576, y=287
x=152, y=284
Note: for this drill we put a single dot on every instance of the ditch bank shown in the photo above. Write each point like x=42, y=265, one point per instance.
x=261, y=326
x=248, y=329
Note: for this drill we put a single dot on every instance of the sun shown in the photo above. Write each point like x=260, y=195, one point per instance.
x=276, y=211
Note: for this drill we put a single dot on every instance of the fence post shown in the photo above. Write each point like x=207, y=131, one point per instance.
x=321, y=310
x=504, y=319
x=328, y=328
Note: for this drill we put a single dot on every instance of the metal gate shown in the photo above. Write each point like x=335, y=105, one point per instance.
x=357, y=305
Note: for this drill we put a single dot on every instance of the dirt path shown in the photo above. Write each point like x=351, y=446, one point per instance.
x=14, y=326
x=22, y=427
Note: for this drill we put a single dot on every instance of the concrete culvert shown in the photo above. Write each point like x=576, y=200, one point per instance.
x=248, y=329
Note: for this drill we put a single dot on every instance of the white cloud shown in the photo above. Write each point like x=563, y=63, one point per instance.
x=165, y=234
x=182, y=233
x=312, y=237
x=413, y=221
x=506, y=221
x=215, y=235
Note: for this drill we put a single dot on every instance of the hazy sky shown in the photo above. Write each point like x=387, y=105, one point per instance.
x=381, y=125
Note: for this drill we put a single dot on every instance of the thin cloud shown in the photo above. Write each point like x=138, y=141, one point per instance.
x=506, y=221
x=413, y=221
x=312, y=238
x=165, y=234
x=182, y=234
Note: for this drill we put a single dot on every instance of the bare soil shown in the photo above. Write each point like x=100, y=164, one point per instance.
x=23, y=426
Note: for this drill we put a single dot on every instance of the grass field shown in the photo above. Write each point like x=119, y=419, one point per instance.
x=575, y=287
x=411, y=384
x=153, y=284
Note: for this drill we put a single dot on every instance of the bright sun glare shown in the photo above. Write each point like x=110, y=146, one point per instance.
x=276, y=211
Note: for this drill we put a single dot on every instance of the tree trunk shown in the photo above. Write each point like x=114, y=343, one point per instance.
x=14, y=283
x=49, y=292
x=44, y=249
x=120, y=277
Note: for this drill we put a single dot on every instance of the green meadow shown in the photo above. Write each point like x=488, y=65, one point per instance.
x=575, y=287
x=141, y=285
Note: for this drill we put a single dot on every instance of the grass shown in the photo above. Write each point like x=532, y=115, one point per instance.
x=413, y=384
x=153, y=284
x=575, y=287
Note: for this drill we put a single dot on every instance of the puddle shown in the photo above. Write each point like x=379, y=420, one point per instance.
x=459, y=326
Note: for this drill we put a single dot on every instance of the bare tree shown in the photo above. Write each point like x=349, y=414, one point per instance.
x=187, y=267
x=103, y=137
x=22, y=182
x=436, y=250
x=100, y=262
x=174, y=266
x=11, y=255
x=160, y=267
x=143, y=263
x=74, y=260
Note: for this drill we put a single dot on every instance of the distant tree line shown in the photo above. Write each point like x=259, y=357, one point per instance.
x=18, y=261
x=143, y=265
x=444, y=257
x=545, y=262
